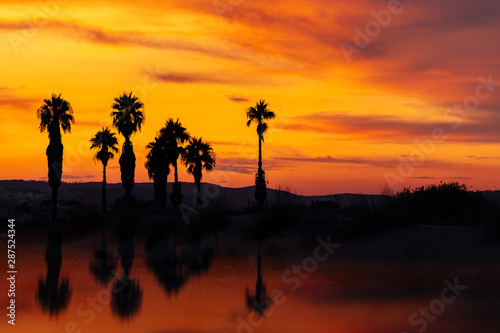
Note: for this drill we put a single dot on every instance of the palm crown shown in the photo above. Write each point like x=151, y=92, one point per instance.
x=53, y=113
x=176, y=135
x=157, y=158
x=258, y=114
x=199, y=155
x=128, y=116
x=105, y=142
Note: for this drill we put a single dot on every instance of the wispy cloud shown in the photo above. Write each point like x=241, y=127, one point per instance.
x=479, y=157
x=71, y=177
x=423, y=177
x=100, y=35
x=28, y=103
x=385, y=128
x=209, y=78
x=333, y=160
x=74, y=177
x=238, y=98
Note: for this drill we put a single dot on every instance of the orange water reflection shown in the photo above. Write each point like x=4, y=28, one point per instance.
x=183, y=288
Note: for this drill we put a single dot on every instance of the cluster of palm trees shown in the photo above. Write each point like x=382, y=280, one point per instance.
x=171, y=144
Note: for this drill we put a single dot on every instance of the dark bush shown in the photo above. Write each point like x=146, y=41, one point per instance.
x=446, y=202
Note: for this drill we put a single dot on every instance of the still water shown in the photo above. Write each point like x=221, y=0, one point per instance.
x=160, y=281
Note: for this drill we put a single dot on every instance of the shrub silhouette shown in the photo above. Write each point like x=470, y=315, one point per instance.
x=442, y=201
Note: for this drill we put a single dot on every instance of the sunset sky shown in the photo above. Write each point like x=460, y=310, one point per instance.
x=352, y=96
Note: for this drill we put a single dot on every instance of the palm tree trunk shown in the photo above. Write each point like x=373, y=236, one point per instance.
x=104, y=188
x=127, y=168
x=176, y=196
x=176, y=175
x=54, y=154
x=260, y=152
x=260, y=181
x=165, y=200
x=198, y=194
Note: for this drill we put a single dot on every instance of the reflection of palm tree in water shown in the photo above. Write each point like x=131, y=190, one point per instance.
x=126, y=295
x=53, y=296
x=168, y=267
x=171, y=269
x=104, y=265
x=260, y=302
x=199, y=259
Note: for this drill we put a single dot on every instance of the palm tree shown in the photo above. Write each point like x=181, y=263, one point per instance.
x=128, y=118
x=158, y=166
x=258, y=114
x=198, y=156
x=105, y=142
x=54, y=114
x=176, y=136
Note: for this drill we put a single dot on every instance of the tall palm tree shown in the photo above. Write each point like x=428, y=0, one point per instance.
x=105, y=142
x=198, y=156
x=128, y=118
x=158, y=167
x=259, y=114
x=176, y=135
x=54, y=114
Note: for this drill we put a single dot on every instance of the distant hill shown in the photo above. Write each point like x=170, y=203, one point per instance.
x=35, y=192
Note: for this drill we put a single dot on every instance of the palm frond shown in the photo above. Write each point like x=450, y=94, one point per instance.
x=55, y=113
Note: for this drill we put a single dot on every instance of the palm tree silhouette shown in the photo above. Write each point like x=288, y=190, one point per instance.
x=54, y=114
x=198, y=156
x=158, y=167
x=105, y=142
x=258, y=114
x=176, y=135
x=128, y=118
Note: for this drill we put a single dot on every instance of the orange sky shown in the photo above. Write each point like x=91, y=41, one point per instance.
x=343, y=125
